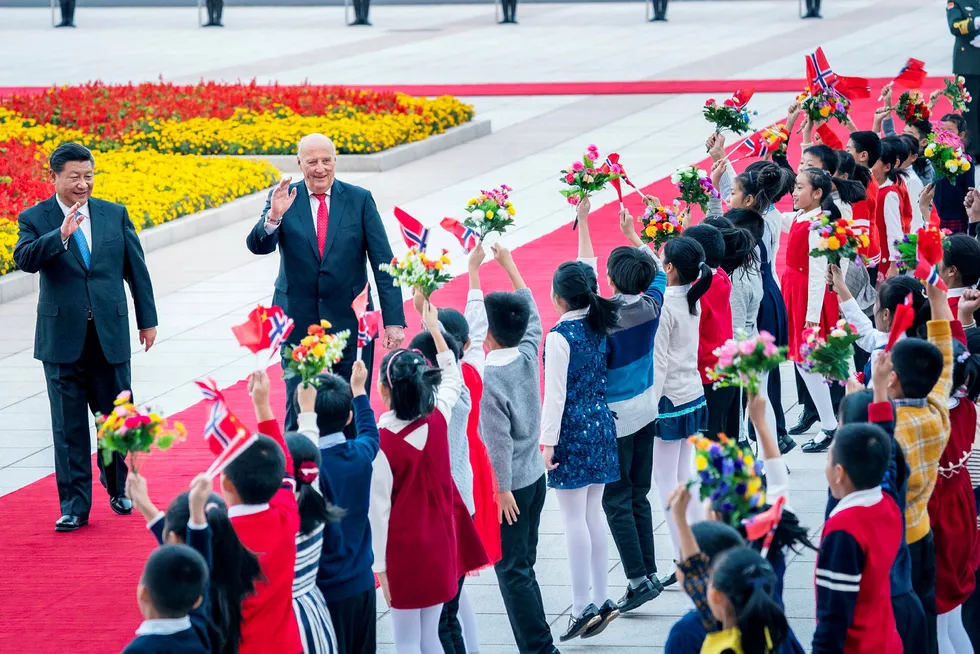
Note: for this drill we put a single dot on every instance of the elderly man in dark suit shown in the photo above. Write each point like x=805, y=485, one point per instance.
x=86, y=250
x=326, y=231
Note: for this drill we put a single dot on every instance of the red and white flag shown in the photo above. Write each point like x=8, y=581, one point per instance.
x=266, y=327
x=753, y=146
x=742, y=97
x=819, y=74
x=912, y=75
x=415, y=234
x=222, y=427
x=467, y=236
x=368, y=322
x=230, y=453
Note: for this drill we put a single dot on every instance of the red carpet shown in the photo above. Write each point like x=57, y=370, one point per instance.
x=76, y=592
x=639, y=87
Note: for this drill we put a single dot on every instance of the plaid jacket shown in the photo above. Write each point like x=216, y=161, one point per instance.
x=922, y=429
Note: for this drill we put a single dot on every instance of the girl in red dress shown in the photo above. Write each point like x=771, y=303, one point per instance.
x=893, y=209
x=423, y=536
x=804, y=285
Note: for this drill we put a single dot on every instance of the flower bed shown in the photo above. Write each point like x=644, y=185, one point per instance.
x=156, y=188
x=229, y=118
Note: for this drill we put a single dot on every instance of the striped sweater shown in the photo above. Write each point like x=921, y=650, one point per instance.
x=922, y=429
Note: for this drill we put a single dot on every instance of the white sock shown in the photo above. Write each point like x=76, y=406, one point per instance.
x=673, y=465
x=467, y=621
x=820, y=394
x=953, y=638
x=585, y=540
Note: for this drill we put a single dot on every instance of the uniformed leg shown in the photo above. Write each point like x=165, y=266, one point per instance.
x=72, y=443
x=104, y=382
x=972, y=116
x=67, y=13
x=219, y=6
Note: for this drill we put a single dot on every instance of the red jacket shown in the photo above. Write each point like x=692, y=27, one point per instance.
x=716, y=321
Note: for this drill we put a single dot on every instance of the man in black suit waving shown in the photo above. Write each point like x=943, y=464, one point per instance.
x=326, y=232
x=86, y=250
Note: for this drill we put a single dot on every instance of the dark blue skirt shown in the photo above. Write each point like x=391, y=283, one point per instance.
x=772, y=309
x=676, y=423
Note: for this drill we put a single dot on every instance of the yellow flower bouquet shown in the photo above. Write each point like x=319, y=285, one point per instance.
x=417, y=271
x=318, y=352
x=129, y=431
x=491, y=211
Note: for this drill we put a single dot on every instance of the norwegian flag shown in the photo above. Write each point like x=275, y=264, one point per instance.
x=266, y=327
x=230, y=453
x=368, y=326
x=763, y=525
x=467, y=236
x=415, y=234
x=280, y=325
x=912, y=75
x=901, y=321
x=222, y=426
x=753, y=146
x=819, y=74
x=741, y=98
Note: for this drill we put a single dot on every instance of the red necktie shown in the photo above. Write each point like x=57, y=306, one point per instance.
x=322, y=218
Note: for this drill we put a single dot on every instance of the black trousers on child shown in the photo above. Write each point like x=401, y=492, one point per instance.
x=911, y=621
x=355, y=623
x=923, y=554
x=515, y=572
x=720, y=411
x=450, y=631
x=627, y=506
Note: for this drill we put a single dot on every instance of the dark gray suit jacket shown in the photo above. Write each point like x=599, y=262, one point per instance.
x=310, y=289
x=69, y=291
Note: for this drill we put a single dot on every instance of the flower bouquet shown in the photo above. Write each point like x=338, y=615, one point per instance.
x=491, y=211
x=660, y=224
x=838, y=239
x=731, y=114
x=316, y=353
x=906, y=248
x=826, y=104
x=912, y=107
x=730, y=476
x=956, y=91
x=743, y=360
x=945, y=152
x=694, y=185
x=417, y=270
x=585, y=178
x=830, y=357
x=129, y=431
x=776, y=138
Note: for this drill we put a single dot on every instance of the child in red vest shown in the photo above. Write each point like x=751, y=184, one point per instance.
x=860, y=541
x=893, y=210
x=260, y=492
x=424, y=538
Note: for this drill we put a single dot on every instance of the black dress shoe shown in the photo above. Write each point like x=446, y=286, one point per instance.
x=669, y=580
x=813, y=446
x=121, y=505
x=577, y=626
x=70, y=523
x=786, y=445
x=65, y=24
x=806, y=421
x=636, y=597
x=607, y=613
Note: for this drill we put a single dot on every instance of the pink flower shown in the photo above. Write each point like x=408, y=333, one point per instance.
x=766, y=337
x=132, y=422
x=570, y=178
x=573, y=200
x=746, y=347
x=770, y=350
x=578, y=166
x=592, y=148
x=724, y=361
x=709, y=102
x=729, y=102
x=729, y=349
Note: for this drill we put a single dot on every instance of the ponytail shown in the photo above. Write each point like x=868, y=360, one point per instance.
x=894, y=151
x=742, y=230
x=849, y=190
x=576, y=283
x=687, y=257
x=234, y=569
x=766, y=182
x=747, y=580
x=313, y=509
x=411, y=382
x=852, y=169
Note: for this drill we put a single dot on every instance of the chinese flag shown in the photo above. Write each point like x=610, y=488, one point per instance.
x=252, y=333
x=912, y=75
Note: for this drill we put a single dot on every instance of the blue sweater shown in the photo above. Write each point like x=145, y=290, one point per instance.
x=629, y=364
x=345, y=479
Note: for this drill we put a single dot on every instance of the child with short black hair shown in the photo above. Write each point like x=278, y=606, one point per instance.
x=259, y=488
x=634, y=276
x=345, y=576
x=860, y=541
x=174, y=581
x=510, y=424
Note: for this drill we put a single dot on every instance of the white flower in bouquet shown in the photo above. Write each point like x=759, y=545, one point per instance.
x=701, y=173
x=675, y=178
x=477, y=215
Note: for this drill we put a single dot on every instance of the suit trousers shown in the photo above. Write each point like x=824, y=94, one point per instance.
x=659, y=8
x=515, y=572
x=343, y=369
x=67, y=11
x=355, y=622
x=627, y=506
x=510, y=9
x=74, y=389
x=361, y=8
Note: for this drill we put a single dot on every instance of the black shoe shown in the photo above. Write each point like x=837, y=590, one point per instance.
x=70, y=523
x=813, y=446
x=669, y=580
x=577, y=626
x=607, y=614
x=806, y=421
x=121, y=505
x=636, y=597
x=65, y=23
x=786, y=445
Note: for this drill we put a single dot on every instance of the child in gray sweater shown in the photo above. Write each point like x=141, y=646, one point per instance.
x=510, y=424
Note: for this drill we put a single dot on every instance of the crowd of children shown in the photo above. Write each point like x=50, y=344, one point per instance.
x=451, y=479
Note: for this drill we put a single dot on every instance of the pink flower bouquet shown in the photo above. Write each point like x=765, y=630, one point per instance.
x=587, y=176
x=956, y=91
x=695, y=187
x=743, y=360
x=829, y=357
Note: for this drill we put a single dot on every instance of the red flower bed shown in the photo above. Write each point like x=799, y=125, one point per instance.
x=109, y=111
x=22, y=180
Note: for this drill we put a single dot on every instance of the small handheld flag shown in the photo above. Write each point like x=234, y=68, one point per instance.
x=742, y=97
x=912, y=75
x=368, y=326
x=613, y=162
x=466, y=236
x=222, y=426
x=819, y=74
x=753, y=146
x=241, y=443
x=764, y=524
x=415, y=234
x=901, y=321
x=266, y=327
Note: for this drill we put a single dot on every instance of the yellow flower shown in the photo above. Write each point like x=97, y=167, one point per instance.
x=833, y=243
x=930, y=151
x=651, y=231
x=964, y=165
x=700, y=462
x=749, y=460
x=308, y=341
x=822, y=244
x=865, y=240
x=824, y=111
x=489, y=215
x=511, y=210
x=472, y=201
x=754, y=485
x=325, y=324
x=319, y=350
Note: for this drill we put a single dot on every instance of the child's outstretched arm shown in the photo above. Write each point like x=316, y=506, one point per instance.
x=777, y=475
x=451, y=385
x=503, y=257
x=138, y=494
x=367, y=441
x=693, y=564
x=940, y=335
x=258, y=389
x=852, y=312
x=585, y=249
x=476, y=312
x=306, y=421
x=628, y=228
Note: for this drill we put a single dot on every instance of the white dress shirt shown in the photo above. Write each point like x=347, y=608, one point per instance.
x=382, y=478
x=556, y=357
x=271, y=226
x=85, y=227
x=164, y=626
x=893, y=222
